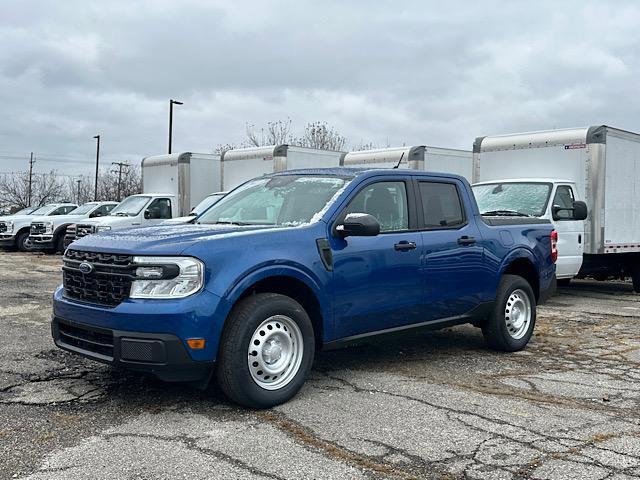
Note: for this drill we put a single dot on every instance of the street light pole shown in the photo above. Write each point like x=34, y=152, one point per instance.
x=171, y=103
x=95, y=191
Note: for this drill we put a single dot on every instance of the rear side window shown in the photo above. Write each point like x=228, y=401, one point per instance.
x=441, y=205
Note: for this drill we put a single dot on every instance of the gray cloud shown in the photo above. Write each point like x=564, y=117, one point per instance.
x=399, y=72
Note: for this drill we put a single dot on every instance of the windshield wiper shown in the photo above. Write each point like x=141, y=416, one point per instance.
x=504, y=213
x=228, y=223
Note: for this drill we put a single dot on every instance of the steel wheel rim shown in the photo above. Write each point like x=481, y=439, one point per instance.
x=517, y=314
x=275, y=352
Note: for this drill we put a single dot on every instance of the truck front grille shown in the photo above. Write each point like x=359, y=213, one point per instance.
x=38, y=229
x=107, y=283
x=84, y=230
x=95, y=340
x=3, y=227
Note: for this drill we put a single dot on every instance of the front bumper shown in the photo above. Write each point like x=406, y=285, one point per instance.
x=7, y=240
x=41, y=241
x=163, y=355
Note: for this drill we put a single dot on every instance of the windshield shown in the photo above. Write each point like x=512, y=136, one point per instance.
x=130, y=206
x=25, y=211
x=524, y=198
x=81, y=210
x=206, y=203
x=286, y=200
x=46, y=210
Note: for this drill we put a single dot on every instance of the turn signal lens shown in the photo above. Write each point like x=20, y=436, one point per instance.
x=554, y=246
x=196, y=343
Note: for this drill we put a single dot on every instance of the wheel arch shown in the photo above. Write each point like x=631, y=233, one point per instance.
x=522, y=264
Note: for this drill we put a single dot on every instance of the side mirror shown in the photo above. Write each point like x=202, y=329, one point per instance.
x=95, y=214
x=358, y=225
x=579, y=211
x=147, y=215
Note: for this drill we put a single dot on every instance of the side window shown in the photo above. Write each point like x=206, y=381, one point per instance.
x=59, y=211
x=441, y=205
x=564, y=198
x=160, y=208
x=102, y=210
x=386, y=201
x=69, y=208
x=108, y=208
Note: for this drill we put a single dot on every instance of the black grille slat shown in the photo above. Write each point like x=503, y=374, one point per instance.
x=83, y=230
x=110, y=282
x=100, y=342
x=38, y=228
x=3, y=227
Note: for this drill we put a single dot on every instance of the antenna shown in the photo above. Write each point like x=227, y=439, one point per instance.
x=399, y=161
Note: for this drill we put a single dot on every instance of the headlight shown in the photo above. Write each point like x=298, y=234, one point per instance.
x=48, y=227
x=9, y=226
x=103, y=228
x=166, y=277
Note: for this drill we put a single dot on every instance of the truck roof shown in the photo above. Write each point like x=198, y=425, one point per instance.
x=360, y=172
x=526, y=180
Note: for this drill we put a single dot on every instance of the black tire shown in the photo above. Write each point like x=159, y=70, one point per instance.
x=635, y=278
x=232, y=370
x=58, y=244
x=22, y=242
x=495, y=330
x=564, y=282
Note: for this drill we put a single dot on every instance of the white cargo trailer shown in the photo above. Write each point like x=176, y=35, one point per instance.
x=190, y=177
x=243, y=164
x=425, y=158
x=598, y=164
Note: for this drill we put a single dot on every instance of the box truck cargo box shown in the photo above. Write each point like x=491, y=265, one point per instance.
x=424, y=158
x=598, y=164
x=243, y=164
x=190, y=177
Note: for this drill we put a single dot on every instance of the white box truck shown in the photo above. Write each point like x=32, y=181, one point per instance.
x=421, y=157
x=190, y=177
x=547, y=174
x=243, y=164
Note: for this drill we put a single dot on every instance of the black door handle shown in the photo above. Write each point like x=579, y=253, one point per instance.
x=464, y=240
x=404, y=245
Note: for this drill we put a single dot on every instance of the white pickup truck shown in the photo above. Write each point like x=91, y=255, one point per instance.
x=15, y=229
x=598, y=164
x=143, y=209
x=48, y=233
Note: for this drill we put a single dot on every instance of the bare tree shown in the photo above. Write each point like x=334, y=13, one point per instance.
x=46, y=188
x=14, y=190
x=130, y=183
x=80, y=189
x=275, y=133
x=220, y=148
x=322, y=136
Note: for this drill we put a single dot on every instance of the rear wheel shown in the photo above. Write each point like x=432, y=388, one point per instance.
x=510, y=325
x=23, y=243
x=59, y=243
x=266, y=350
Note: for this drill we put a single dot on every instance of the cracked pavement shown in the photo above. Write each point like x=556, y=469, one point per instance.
x=426, y=405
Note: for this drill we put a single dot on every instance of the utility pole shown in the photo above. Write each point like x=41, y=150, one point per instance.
x=120, y=166
x=172, y=102
x=95, y=191
x=78, y=197
x=31, y=162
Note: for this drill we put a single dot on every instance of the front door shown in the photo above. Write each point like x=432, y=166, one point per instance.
x=377, y=280
x=570, y=234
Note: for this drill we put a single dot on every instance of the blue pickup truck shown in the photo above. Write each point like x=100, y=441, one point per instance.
x=300, y=260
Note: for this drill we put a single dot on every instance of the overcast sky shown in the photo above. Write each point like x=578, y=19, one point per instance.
x=435, y=73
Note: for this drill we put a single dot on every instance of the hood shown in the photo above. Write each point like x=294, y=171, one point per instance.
x=160, y=239
x=179, y=220
x=58, y=219
x=17, y=218
x=111, y=220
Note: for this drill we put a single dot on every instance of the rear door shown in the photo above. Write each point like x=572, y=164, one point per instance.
x=454, y=272
x=570, y=234
x=378, y=280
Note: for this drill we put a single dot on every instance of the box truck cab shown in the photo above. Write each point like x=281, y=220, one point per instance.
x=139, y=210
x=15, y=229
x=548, y=199
x=599, y=165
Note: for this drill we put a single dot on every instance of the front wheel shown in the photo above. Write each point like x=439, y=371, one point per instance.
x=266, y=350
x=510, y=325
x=635, y=277
x=23, y=243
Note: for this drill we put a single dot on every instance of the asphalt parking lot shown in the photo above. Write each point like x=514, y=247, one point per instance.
x=432, y=405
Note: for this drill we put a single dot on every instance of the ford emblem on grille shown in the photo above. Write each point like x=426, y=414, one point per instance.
x=85, y=268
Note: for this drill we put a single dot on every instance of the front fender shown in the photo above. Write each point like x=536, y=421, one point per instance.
x=261, y=272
